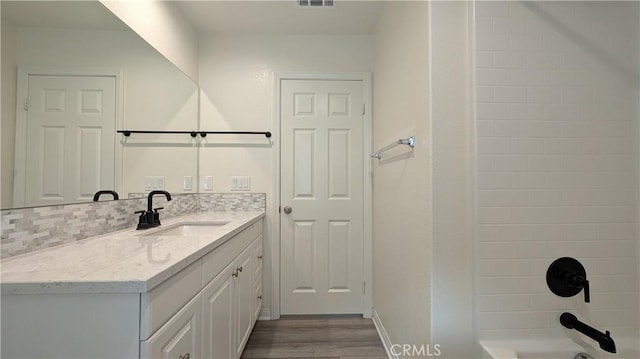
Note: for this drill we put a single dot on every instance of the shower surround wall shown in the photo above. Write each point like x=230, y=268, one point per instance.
x=557, y=114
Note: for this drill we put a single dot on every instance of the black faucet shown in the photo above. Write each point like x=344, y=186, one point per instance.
x=570, y=321
x=151, y=218
x=96, y=196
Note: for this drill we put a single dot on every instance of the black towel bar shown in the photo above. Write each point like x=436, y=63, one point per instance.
x=128, y=133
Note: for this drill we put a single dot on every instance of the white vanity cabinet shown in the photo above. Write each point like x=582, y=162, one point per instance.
x=228, y=308
x=205, y=310
x=217, y=322
x=218, y=318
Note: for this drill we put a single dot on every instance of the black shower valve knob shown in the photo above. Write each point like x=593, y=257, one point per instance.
x=566, y=277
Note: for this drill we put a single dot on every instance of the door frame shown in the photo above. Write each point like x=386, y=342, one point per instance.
x=367, y=128
x=20, y=159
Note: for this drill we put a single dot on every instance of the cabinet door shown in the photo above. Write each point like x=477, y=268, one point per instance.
x=257, y=263
x=244, y=299
x=257, y=258
x=179, y=338
x=257, y=299
x=218, y=324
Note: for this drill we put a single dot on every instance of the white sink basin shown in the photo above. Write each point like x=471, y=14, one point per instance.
x=187, y=229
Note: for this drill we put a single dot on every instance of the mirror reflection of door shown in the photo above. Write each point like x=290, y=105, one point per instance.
x=70, y=139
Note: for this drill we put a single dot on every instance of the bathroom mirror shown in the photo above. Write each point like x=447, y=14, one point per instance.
x=72, y=75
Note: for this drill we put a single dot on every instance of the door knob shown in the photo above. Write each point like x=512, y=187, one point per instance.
x=287, y=210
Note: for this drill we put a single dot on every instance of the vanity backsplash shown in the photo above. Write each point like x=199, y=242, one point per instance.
x=26, y=230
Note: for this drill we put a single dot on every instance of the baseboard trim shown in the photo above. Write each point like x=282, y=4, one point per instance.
x=386, y=342
x=265, y=314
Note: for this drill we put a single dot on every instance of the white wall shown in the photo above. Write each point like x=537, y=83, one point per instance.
x=8, y=126
x=237, y=83
x=156, y=96
x=164, y=27
x=402, y=184
x=557, y=164
x=453, y=156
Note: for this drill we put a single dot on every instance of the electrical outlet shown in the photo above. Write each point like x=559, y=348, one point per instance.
x=208, y=183
x=187, y=183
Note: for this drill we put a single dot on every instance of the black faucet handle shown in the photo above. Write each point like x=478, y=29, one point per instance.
x=579, y=282
x=143, y=220
x=587, y=296
x=155, y=215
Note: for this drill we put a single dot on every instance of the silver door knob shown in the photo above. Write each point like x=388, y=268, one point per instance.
x=287, y=210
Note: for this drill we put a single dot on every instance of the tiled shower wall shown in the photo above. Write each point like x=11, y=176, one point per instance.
x=26, y=230
x=557, y=120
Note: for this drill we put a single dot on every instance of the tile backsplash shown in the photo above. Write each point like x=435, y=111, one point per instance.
x=26, y=230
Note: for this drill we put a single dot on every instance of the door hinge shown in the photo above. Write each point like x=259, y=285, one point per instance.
x=26, y=104
x=364, y=287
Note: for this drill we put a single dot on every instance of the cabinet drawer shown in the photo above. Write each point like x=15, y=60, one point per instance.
x=179, y=338
x=158, y=305
x=214, y=262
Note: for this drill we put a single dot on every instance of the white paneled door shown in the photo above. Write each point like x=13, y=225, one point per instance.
x=70, y=138
x=321, y=197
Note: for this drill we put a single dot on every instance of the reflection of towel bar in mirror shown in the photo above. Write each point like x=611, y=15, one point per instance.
x=411, y=142
x=128, y=133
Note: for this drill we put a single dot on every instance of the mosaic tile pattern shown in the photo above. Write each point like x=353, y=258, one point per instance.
x=30, y=229
x=233, y=201
x=137, y=195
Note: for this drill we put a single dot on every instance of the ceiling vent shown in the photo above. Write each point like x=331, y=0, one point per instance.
x=317, y=3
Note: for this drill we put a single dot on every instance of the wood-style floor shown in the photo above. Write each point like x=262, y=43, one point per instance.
x=335, y=337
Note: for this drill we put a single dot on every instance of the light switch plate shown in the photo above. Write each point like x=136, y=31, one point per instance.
x=208, y=183
x=152, y=183
x=240, y=183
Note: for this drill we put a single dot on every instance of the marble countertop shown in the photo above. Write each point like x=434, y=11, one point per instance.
x=127, y=261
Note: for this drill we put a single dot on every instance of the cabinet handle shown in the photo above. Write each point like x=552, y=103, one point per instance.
x=240, y=269
x=235, y=274
x=259, y=257
x=186, y=356
x=260, y=297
